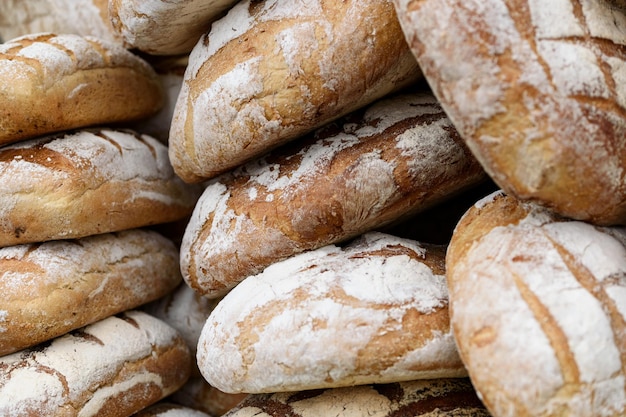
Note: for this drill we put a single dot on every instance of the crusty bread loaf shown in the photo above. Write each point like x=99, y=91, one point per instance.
x=389, y=160
x=112, y=368
x=538, y=308
x=164, y=27
x=270, y=71
x=428, y=398
x=88, y=182
x=51, y=288
x=375, y=311
x=61, y=82
x=79, y=17
x=537, y=90
x=167, y=409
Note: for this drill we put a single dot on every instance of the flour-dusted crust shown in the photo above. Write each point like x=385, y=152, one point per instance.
x=67, y=81
x=115, y=367
x=538, y=309
x=51, y=288
x=79, y=17
x=538, y=91
x=428, y=398
x=392, y=159
x=87, y=182
x=375, y=311
x=269, y=71
x=164, y=27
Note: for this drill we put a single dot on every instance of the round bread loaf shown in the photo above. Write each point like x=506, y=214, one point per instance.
x=387, y=161
x=164, y=27
x=60, y=82
x=51, y=288
x=428, y=398
x=270, y=71
x=538, y=308
x=375, y=311
x=115, y=367
x=79, y=17
x=166, y=409
x=537, y=89
x=83, y=183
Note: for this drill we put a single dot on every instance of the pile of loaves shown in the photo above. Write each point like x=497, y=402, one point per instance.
x=298, y=208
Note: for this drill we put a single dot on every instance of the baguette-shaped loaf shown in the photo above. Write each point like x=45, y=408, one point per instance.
x=164, y=27
x=78, y=184
x=428, y=398
x=537, y=90
x=60, y=82
x=390, y=160
x=538, y=308
x=115, y=367
x=269, y=71
x=375, y=311
x=79, y=17
x=51, y=288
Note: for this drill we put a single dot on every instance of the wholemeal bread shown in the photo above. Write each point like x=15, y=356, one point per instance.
x=164, y=27
x=375, y=311
x=79, y=17
x=537, y=91
x=51, y=288
x=87, y=182
x=428, y=398
x=112, y=368
x=61, y=82
x=270, y=71
x=389, y=160
x=538, y=309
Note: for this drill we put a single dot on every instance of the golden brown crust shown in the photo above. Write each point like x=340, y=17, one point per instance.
x=61, y=82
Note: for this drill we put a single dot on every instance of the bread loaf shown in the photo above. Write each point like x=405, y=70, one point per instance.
x=428, y=398
x=61, y=82
x=166, y=409
x=164, y=27
x=375, y=311
x=270, y=71
x=79, y=17
x=51, y=288
x=537, y=91
x=115, y=367
x=389, y=160
x=87, y=182
x=538, y=308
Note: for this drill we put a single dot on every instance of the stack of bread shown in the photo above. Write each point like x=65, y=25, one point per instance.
x=313, y=208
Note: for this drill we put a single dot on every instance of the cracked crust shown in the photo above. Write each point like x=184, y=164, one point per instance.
x=536, y=89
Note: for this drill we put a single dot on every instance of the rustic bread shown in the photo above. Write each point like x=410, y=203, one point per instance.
x=428, y=398
x=167, y=409
x=538, y=309
x=61, y=82
x=114, y=368
x=537, y=91
x=164, y=27
x=375, y=311
x=270, y=71
x=87, y=182
x=79, y=17
x=389, y=160
x=51, y=288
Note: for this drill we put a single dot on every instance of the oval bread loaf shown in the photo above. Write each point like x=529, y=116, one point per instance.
x=538, y=308
x=115, y=367
x=60, y=82
x=79, y=17
x=51, y=288
x=428, y=398
x=387, y=161
x=537, y=91
x=375, y=311
x=83, y=183
x=270, y=71
x=164, y=27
